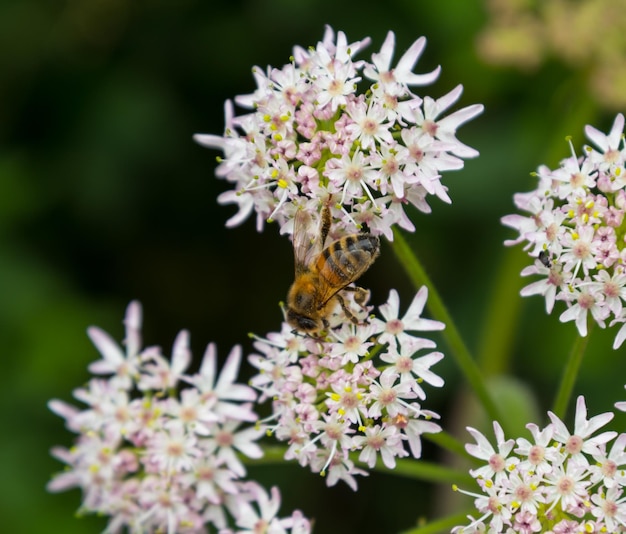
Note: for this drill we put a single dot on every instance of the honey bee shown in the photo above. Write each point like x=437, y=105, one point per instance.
x=324, y=273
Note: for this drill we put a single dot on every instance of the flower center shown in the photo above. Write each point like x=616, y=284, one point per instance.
x=224, y=439
x=394, y=327
x=496, y=462
x=565, y=485
x=536, y=455
x=376, y=442
x=387, y=396
x=609, y=468
x=404, y=364
x=430, y=127
x=586, y=301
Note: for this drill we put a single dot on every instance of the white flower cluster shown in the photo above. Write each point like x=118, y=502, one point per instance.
x=575, y=228
x=358, y=390
x=557, y=483
x=159, y=450
x=313, y=135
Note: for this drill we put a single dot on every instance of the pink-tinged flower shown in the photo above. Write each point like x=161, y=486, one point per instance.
x=526, y=523
x=257, y=512
x=570, y=228
x=227, y=439
x=413, y=370
x=581, y=441
x=376, y=440
x=538, y=457
x=330, y=125
x=610, y=508
x=222, y=394
x=498, y=459
x=493, y=507
x=388, y=397
x=395, y=81
x=566, y=485
x=172, y=449
x=444, y=129
x=159, y=373
x=395, y=330
x=114, y=360
x=159, y=451
x=610, y=468
x=587, y=300
x=526, y=494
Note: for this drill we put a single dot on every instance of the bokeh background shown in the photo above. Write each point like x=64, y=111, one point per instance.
x=104, y=198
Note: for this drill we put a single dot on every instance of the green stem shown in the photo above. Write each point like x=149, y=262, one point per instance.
x=441, y=525
x=501, y=321
x=415, y=469
x=426, y=471
x=448, y=442
x=435, y=305
x=570, y=372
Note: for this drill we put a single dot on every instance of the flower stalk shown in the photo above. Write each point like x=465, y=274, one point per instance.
x=457, y=346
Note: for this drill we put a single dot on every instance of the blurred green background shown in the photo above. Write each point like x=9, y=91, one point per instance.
x=105, y=198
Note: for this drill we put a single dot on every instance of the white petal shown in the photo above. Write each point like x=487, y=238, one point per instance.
x=228, y=375
x=181, y=356
x=106, y=346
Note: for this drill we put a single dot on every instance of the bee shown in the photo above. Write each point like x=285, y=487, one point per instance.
x=324, y=273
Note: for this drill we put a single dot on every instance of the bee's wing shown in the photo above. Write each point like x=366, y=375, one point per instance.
x=306, y=241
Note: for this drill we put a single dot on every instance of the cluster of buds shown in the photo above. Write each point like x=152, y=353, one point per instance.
x=558, y=483
x=318, y=130
x=159, y=450
x=357, y=390
x=576, y=232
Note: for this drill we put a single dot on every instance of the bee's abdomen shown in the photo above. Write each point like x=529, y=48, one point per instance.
x=346, y=259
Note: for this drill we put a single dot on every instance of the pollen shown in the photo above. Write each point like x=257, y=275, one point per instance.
x=282, y=183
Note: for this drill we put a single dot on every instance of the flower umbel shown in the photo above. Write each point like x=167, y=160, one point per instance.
x=356, y=390
x=159, y=449
x=575, y=230
x=327, y=125
x=558, y=482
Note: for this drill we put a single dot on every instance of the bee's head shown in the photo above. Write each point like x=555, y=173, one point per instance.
x=302, y=322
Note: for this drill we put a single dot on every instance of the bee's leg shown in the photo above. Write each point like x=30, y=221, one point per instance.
x=361, y=295
x=345, y=308
x=325, y=223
